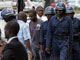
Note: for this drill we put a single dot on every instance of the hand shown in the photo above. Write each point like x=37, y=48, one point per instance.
x=42, y=52
x=0, y=56
x=32, y=55
x=47, y=50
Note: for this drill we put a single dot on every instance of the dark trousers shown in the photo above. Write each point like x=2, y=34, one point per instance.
x=76, y=50
x=59, y=50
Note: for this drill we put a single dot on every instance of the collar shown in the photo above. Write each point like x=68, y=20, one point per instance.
x=10, y=39
x=38, y=16
x=59, y=18
x=21, y=21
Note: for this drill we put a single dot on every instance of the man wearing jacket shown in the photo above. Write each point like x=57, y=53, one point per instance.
x=14, y=50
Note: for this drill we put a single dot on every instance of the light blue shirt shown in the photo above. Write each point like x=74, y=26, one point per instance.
x=24, y=33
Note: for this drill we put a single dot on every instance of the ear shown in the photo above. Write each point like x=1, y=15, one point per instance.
x=10, y=32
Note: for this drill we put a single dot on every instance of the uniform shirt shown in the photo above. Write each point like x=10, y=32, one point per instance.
x=76, y=26
x=43, y=32
x=59, y=28
x=35, y=33
x=24, y=33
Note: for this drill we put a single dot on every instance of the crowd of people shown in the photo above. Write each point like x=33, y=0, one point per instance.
x=51, y=34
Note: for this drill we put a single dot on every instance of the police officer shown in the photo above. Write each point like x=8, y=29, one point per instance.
x=59, y=32
x=8, y=14
x=76, y=33
x=49, y=12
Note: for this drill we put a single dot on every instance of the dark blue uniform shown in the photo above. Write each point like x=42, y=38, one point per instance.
x=76, y=38
x=58, y=33
x=43, y=34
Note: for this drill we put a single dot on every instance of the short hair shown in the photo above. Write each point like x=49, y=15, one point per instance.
x=13, y=27
x=39, y=7
x=22, y=15
x=33, y=11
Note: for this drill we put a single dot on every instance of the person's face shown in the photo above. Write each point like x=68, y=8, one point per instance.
x=25, y=18
x=59, y=12
x=32, y=16
x=70, y=14
x=40, y=11
x=48, y=16
x=7, y=33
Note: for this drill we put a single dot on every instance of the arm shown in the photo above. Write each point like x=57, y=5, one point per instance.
x=49, y=36
x=41, y=50
x=41, y=40
x=26, y=34
x=28, y=45
x=41, y=35
x=70, y=33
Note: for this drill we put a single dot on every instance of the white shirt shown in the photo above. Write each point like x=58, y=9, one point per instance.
x=43, y=18
x=24, y=33
x=10, y=39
